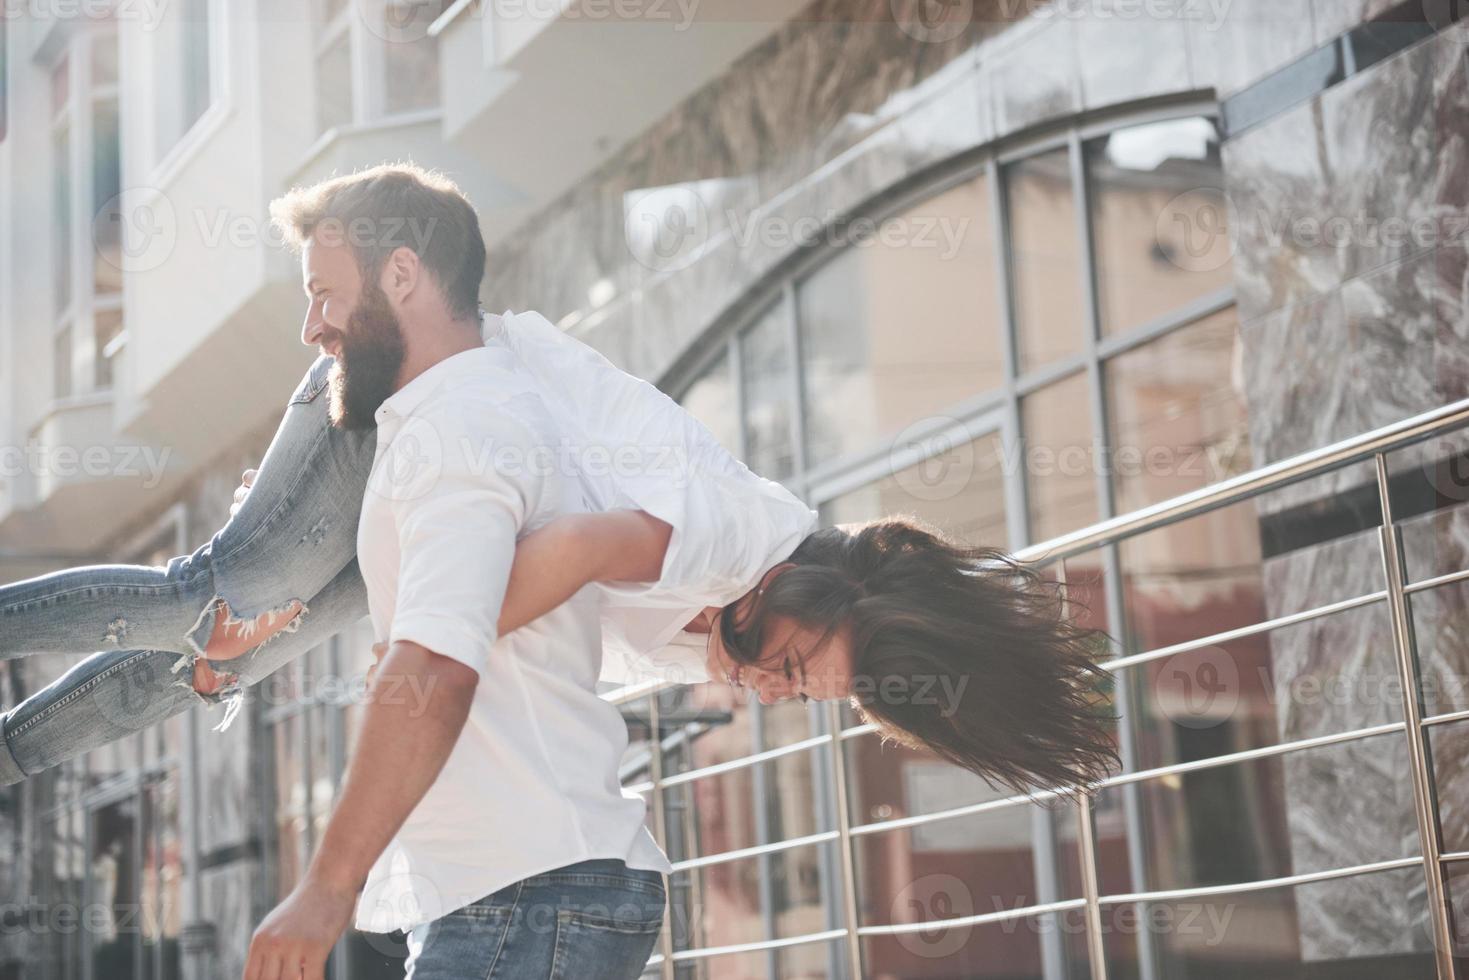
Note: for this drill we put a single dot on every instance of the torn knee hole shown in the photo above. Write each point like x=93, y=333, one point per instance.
x=232, y=636
x=207, y=680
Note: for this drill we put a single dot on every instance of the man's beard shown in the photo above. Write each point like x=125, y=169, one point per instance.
x=369, y=356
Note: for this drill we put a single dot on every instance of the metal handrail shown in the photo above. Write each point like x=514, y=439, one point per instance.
x=1304, y=466
x=1373, y=446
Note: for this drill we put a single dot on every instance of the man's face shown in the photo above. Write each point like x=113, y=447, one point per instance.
x=351, y=320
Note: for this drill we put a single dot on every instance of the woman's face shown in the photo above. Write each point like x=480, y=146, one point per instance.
x=793, y=662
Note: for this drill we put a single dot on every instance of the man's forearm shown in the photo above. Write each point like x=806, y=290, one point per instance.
x=403, y=744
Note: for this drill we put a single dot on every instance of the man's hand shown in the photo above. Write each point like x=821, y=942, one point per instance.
x=294, y=940
x=247, y=480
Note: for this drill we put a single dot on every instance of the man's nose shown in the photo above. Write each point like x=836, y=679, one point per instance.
x=311, y=330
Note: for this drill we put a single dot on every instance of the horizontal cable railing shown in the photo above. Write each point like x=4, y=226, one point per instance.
x=1225, y=493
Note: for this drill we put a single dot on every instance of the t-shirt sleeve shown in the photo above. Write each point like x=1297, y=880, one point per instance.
x=457, y=523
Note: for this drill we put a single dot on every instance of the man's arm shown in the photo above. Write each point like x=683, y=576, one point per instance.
x=401, y=748
x=456, y=524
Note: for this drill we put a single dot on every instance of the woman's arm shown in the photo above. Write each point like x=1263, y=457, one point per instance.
x=554, y=562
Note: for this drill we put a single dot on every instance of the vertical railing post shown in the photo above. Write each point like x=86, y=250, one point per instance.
x=844, y=839
x=1424, y=806
x=1086, y=841
x=660, y=825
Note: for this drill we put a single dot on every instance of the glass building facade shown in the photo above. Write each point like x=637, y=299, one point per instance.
x=1090, y=303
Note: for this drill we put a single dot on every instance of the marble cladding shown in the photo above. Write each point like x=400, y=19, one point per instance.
x=1349, y=217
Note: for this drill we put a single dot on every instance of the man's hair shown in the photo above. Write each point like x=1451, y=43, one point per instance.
x=387, y=207
x=965, y=652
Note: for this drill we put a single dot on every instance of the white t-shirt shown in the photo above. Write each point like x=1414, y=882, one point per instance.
x=531, y=784
x=730, y=526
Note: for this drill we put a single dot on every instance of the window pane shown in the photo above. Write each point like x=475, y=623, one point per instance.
x=1367, y=927
x=767, y=373
x=960, y=491
x=1059, y=458
x=901, y=326
x=727, y=903
x=1178, y=420
x=61, y=358
x=334, y=84
x=61, y=217
x=1324, y=676
x=106, y=189
x=1045, y=259
x=182, y=77
x=1158, y=219
x=410, y=56
x=718, y=813
x=710, y=399
x=107, y=324
x=104, y=59
x=1007, y=950
x=1240, y=565
x=1315, y=809
x=60, y=85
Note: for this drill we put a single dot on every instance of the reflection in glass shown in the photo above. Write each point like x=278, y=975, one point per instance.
x=718, y=813
x=961, y=492
x=334, y=84
x=1367, y=927
x=106, y=215
x=1314, y=809
x=410, y=55
x=1060, y=458
x=182, y=74
x=901, y=326
x=61, y=242
x=720, y=904
x=1323, y=676
x=1006, y=950
x=1159, y=225
x=767, y=374
x=1045, y=259
x=804, y=961
x=1176, y=413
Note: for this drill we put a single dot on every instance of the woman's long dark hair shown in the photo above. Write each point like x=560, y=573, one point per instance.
x=964, y=651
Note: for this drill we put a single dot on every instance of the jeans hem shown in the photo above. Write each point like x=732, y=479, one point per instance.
x=10, y=770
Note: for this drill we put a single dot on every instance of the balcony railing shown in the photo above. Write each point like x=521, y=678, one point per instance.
x=1372, y=446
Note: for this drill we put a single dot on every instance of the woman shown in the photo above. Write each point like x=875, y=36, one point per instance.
x=960, y=650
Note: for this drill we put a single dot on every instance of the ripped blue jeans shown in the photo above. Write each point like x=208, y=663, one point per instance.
x=293, y=540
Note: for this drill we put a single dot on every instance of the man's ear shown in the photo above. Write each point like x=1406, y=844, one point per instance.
x=401, y=273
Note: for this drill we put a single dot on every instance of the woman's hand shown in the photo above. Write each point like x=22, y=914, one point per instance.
x=247, y=480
